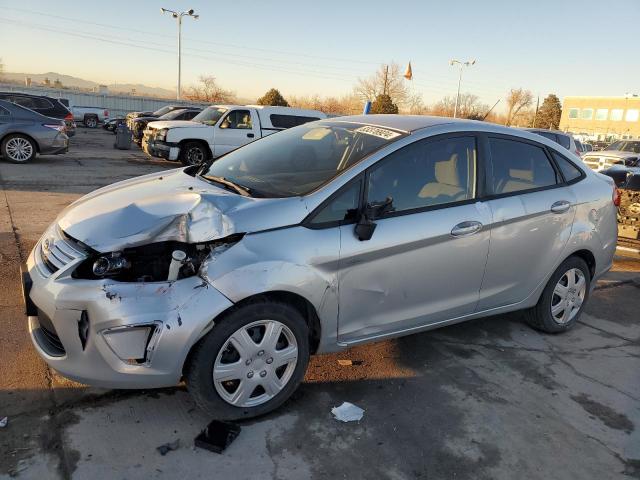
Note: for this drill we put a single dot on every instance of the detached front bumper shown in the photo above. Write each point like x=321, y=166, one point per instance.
x=158, y=149
x=116, y=335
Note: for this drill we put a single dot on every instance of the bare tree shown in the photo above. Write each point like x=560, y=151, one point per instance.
x=517, y=100
x=469, y=106
x=209, y=92
x=345, y=105
x=388, y=79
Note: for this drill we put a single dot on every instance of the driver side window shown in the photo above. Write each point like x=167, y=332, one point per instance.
x=425, y=173
x=238, y=120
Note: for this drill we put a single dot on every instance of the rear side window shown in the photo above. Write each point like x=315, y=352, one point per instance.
x=26, y=102
x=519, y=166
x=289, y=121
x=568, y=169
x=549, y=135
x=4, y=112
x=565, y=141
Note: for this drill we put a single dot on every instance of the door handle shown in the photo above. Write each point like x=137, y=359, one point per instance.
x=560, y=206
x=250, y=135
x=466, y=228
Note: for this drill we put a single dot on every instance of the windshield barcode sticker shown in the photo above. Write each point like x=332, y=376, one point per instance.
x=378, y=132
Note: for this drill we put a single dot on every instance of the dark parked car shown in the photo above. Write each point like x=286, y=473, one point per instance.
x=112, y=124
x=25, y=133
x=47, y=106
x=158, y=113
x=139, y=124
x=561, y=138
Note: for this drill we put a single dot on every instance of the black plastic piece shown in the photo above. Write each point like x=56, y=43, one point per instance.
x=30, y=308
x=217, y=436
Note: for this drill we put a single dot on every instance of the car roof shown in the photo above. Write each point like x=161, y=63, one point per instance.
x=405, y=123
x=26, y=95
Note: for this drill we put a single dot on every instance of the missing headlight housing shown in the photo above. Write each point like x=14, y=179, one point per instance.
x=149, y=263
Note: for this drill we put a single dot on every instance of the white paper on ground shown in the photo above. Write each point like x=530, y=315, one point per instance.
x=347, y=412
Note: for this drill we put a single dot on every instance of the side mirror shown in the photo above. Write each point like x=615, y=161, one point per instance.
x=366, y=226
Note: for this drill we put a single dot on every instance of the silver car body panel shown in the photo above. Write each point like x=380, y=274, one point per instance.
x=411, y=276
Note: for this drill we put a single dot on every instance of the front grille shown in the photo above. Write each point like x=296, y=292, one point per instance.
x=47, y=337
x=56, y=250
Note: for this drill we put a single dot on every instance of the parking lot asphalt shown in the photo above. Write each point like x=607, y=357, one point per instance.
x=484, y=399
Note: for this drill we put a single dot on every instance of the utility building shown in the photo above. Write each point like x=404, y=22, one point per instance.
x=602, y=118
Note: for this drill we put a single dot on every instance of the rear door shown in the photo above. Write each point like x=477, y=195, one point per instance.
x=533, y=210
x=236, y=128
x=425, y=261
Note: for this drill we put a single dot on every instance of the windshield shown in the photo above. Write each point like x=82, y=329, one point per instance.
x=625, y=146
x=162, y=111
x=210, y=115
x=296, y=161
x=172, y=114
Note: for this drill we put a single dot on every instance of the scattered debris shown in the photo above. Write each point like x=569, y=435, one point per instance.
x=217, y=436
x=348, y=412
x=348, y=363
x=168, y=447
x=4, y=421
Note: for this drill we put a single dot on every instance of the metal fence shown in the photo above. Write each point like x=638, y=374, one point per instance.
x=118, y=105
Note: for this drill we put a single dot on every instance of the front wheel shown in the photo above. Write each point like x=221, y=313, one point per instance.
x=250, y=362
x=18, y=149
x=563, y=299
x=90, y=122
x=193, y=153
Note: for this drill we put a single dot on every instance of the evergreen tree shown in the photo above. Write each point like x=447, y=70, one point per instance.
x=549, y=113
x=273, y=97
x=383, y=104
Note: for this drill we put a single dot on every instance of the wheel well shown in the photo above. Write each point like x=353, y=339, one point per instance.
x=24, y=135
x=196, y=140
x=588, y=257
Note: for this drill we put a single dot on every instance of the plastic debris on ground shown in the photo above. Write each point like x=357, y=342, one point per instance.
x=168, y=447
x=4, y=421
x=217, y=436
x=348, y=412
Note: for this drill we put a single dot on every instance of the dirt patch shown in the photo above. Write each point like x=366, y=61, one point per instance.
x=606, y=414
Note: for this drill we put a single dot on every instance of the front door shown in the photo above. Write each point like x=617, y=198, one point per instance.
x=425, y=260
x=235, y=129
x=533, y=210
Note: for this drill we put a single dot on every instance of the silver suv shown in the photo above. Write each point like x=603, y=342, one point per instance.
x=324, y=236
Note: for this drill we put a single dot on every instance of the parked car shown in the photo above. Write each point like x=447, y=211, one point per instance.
x=583, y=147
x=47, y=106
x=158, y=113
x=139, y=124
x=90, y=116
x=113, y=123
x=324, y=236
x=25, y=133
x=561, y=138
x=622, y=152
x=627, y=179
x=218, y=129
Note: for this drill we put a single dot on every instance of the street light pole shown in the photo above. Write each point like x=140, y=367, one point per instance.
x=178, y=16
x=461, y=64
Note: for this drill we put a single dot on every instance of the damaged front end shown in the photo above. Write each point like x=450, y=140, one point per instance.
x=155, y=262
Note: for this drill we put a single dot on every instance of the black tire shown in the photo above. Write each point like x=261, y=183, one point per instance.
x=540, y=317
x=199, y=368
x=193, y=153
x=11, y=151
x=90, y=121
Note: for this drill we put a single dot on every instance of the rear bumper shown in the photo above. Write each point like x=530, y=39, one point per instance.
x=60, y=144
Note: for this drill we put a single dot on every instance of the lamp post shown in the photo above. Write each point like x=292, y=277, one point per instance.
x=461, y=64
x=178, y=16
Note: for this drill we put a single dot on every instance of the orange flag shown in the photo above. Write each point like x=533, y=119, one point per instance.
x=408, y=74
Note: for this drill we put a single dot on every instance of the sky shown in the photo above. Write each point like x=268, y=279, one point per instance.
x=566, y=47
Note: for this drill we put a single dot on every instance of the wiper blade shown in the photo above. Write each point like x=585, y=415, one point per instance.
x=244, y=191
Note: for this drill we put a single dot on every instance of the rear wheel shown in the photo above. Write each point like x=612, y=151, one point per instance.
x=563, y=299
x=90, y=121
x=250, y=362
x=193, y=153
x=18, y=149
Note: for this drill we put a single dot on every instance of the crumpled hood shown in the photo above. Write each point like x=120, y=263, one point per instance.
x=176, y=124
x=167, y=206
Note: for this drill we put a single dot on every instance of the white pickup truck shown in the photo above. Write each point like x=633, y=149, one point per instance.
x=218, y=129
x=90, y=116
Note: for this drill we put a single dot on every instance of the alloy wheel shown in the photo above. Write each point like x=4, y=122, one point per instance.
x=19, y=149
x=195, y=156
x=255, y=363
x=568, y=296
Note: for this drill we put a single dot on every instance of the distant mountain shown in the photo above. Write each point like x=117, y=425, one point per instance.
x=80, y=83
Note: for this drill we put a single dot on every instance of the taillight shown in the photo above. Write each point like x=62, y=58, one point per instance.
x=615, y=198
x=106, y=114
x=69, y=116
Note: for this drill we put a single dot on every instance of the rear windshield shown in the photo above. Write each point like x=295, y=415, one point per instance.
x=296, y=161
x=210, y=115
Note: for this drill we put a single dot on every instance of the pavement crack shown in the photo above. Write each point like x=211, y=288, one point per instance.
x=607, y=332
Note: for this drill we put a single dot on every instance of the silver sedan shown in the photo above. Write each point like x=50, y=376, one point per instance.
x=25, y=133
x=327, y=235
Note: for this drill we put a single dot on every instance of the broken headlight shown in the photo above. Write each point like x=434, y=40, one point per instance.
x=156, y=262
